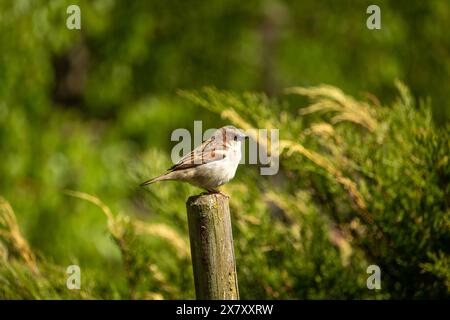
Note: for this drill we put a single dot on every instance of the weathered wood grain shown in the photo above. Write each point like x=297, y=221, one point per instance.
x=212, y=249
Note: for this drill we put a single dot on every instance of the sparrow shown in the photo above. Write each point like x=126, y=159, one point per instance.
x=211, y=164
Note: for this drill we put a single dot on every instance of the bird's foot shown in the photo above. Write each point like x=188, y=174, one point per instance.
x=214, y=191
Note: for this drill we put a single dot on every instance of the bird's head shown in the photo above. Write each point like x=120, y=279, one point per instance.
x=230, y=135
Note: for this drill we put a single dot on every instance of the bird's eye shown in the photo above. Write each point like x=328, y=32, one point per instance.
x=235, y=138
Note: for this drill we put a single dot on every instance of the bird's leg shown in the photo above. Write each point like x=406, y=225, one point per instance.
x=209, y=191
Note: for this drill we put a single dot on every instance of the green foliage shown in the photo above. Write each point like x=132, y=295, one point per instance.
x=379, y=174
x=360, y=182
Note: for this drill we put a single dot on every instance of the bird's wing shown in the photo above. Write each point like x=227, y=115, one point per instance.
x=207, y=152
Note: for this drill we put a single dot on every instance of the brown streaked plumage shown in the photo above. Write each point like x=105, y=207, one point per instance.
x=211, y=164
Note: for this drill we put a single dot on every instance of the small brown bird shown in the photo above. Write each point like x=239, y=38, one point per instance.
x=211, y=164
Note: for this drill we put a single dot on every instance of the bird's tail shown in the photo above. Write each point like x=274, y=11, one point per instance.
x=160, y=178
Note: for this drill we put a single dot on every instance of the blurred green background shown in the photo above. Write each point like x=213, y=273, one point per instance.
x=93, y=109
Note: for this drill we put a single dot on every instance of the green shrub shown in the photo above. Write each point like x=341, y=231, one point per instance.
x=359, y=184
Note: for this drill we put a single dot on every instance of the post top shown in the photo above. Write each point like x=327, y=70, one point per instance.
x=206, y=199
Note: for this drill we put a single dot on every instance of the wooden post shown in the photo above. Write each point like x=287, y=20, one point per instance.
x=212, y=250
